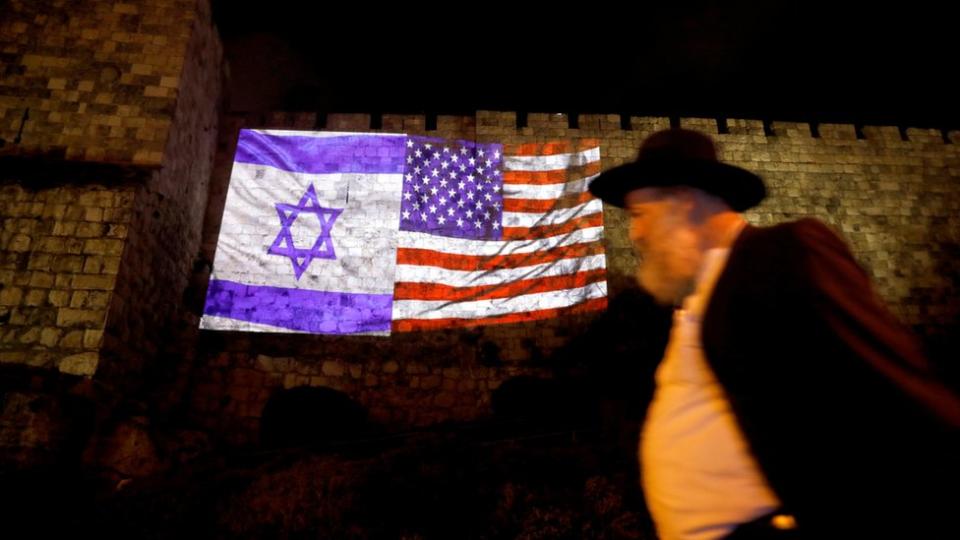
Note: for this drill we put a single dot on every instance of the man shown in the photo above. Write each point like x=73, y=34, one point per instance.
x=789, y=402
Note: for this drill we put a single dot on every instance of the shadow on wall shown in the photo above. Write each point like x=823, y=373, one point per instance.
x=617, y=356
x=602, y=379
x=943, y=343
x=308, y=416
x=556, y=403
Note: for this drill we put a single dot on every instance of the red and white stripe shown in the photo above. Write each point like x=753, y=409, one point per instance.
x=549, y=263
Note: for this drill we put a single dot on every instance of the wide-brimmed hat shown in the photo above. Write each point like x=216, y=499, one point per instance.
x=680, y=157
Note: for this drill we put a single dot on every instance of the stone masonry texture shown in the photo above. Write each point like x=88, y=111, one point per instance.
x=114, y=166
x=100, y=79
x=894, y=199
x=108, y=121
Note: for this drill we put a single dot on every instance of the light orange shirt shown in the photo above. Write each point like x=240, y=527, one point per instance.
x=699, y=478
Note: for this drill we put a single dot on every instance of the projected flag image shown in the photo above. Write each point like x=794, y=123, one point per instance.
x=356, y=233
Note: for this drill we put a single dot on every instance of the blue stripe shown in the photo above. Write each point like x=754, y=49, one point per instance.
x=359, y=153
x=317, y=312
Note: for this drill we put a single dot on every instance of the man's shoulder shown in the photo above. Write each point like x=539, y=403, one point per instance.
x=802, y=227
x=787, y=254
x=804, y=234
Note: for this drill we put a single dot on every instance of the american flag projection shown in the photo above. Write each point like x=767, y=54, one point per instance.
x=356, y=233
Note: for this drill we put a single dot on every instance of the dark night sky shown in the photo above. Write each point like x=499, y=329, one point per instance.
x=802, y=61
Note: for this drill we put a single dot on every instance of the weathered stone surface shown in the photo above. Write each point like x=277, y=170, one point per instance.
x=127, y=451
x=80, y=364
x=111, y=206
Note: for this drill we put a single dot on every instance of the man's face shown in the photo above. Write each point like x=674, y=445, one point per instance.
x=666, y=242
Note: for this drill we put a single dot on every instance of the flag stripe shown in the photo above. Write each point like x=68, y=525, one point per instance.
x=444, y=309
x=550, y=176
x=554, y=217
x=459, y=246
x=545, y=231
x=319, y=155
x=545, y=205
x=551, y=163
x=550, y=148
x=435, y=291
x=545, y=191
x=322, y=134
x=472, y=278
x=299, y=309
x=595, y=304
x=426, y=257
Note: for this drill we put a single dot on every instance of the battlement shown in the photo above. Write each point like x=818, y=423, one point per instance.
x=578, y=125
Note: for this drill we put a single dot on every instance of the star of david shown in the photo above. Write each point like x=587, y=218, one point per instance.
x=322, y=247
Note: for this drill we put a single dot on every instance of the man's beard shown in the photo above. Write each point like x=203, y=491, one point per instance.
x=668, y=268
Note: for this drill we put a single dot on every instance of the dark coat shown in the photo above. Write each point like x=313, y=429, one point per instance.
x=834, y=395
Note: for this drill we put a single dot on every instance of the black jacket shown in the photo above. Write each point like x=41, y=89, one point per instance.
x=834, y=395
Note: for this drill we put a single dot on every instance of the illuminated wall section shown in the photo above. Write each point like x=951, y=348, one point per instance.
x=356, y=233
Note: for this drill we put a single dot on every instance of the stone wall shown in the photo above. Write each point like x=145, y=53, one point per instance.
x=109, y=177
x=61, y=254
x=149, y=313
x=100, y=79
x=893, y=196
x=113, y=176
x=108, y=121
